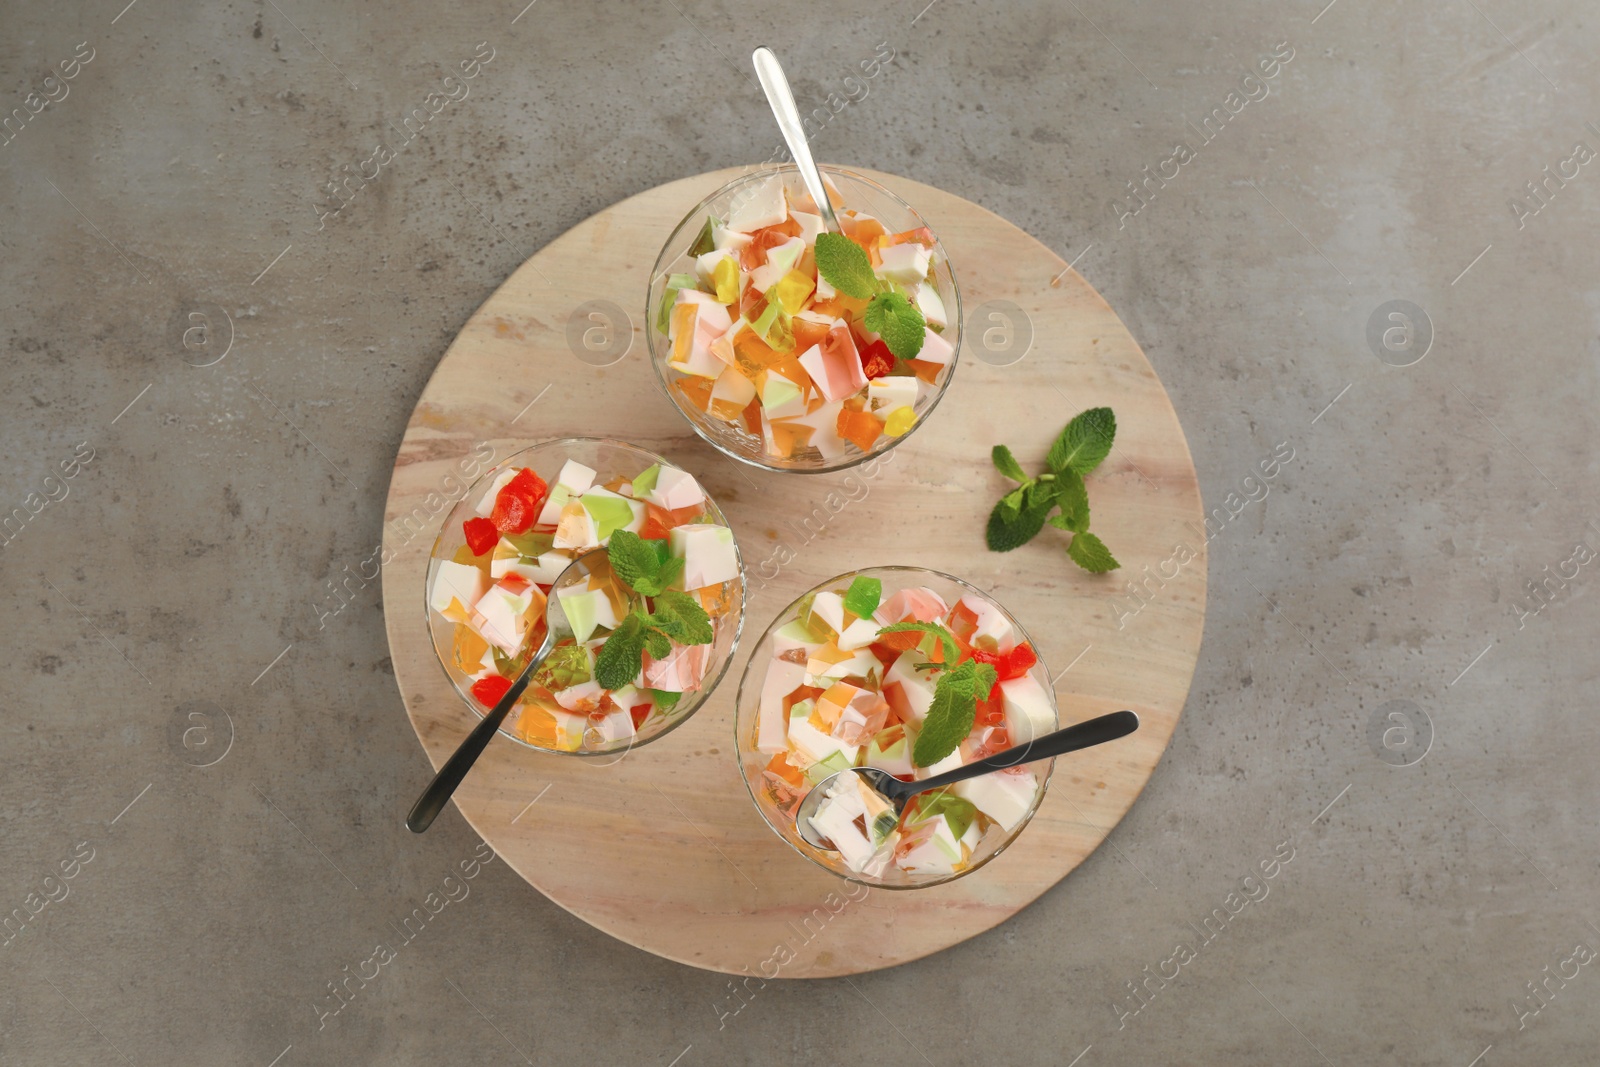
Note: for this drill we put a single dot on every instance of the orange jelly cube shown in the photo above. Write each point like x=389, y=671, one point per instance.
x=780, y=767
x=928, y=372
x=807, y=334
x=859, y=428
x=715, y=599
x=536, y=725
x=749, y=347
x=864, y=232
x=788, y=436
x=695, y=390
x=752, y=417
x=469, y=650
x=921, y=235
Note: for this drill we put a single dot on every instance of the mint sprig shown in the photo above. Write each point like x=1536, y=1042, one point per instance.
x=846, y=266
x=1019, y=515
x=673, y=616
x=646, y=567
x=950, y=716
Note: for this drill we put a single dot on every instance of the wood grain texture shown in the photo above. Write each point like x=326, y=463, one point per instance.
x=663, y=847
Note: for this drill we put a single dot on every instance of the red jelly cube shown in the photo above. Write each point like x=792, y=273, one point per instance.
x=482, y=535
x=530, y=487
x=1018, y=661
x=488, y=691
x=876, y=359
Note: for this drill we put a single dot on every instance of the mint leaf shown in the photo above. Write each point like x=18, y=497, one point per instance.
x=647, y=567
x=1090, y=553
x=862, y=598
x=658, y=644
x=1014, y=524
x=1085, y=442
x=681, y=617
x=1007, y=464
x=949, y=721
x=632, y=559
x=897, y=320
x=844, y=265
x=1012, y=501
x=665, y=699
x=947, y=640
x=950, y=716
x=622, y=656
x=1073, y=499
x=669, y=572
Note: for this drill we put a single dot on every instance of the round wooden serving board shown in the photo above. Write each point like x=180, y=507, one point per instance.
x=664, y=848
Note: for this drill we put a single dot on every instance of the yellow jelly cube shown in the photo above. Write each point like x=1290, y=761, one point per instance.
x=792, y=290
x=900, y=420
x=725, y=276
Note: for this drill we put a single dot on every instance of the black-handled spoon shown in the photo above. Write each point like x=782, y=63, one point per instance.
x=557, y=628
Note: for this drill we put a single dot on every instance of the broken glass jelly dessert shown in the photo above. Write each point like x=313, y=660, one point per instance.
x=911, y=684
x=645, y=624
x=754, y=339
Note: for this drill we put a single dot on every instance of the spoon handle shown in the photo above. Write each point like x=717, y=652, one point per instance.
x=1083, y=735
x=439, y=791
x=781, y=99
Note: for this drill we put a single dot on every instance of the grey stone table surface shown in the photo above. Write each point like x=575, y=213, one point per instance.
x=1249, y=184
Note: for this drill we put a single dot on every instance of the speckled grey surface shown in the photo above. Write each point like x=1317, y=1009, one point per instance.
x=180, y=171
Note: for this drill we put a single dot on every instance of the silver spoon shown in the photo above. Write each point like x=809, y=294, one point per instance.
x=1083, y=735
x=557, y=629
x=779, y=97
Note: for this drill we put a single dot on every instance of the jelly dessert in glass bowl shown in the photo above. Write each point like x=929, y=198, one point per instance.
x=908, y=670
x=654, y=627
x=775, y=365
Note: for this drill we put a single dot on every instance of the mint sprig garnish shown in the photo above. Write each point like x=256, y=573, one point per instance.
x=846, y=266
x=1019, y=515
x=674, y=616
x=897, y=320
x=950, y=716
x=646, y=567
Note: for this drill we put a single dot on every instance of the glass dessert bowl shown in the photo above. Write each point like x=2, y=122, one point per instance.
x=850, y=675
x=672, y=589
x=771, y=363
